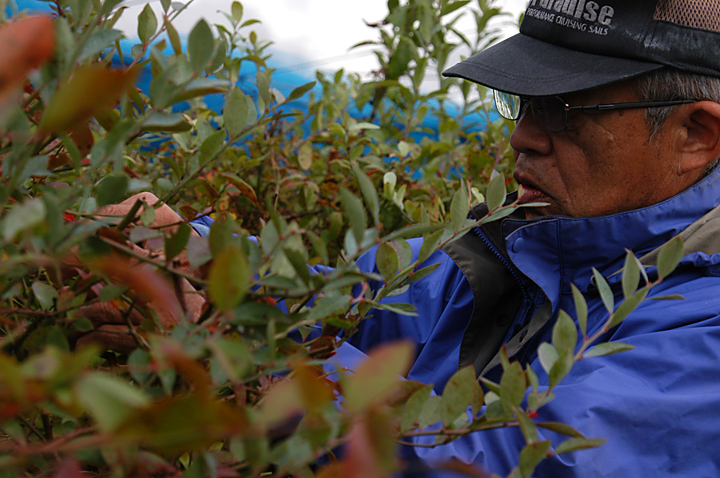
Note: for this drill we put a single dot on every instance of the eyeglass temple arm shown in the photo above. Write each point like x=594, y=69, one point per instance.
x=631, y=105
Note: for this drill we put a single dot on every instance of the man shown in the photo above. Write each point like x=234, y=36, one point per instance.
x=618, y=131
x=630, y=173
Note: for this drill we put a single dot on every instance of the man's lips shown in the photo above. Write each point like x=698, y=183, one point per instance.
x=530, y=193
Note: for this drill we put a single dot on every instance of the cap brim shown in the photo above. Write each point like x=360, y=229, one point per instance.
x=526, y=66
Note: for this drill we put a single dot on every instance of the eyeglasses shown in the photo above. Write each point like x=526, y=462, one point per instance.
x=552, y=111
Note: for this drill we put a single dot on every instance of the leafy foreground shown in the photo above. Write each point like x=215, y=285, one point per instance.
x=133, y=347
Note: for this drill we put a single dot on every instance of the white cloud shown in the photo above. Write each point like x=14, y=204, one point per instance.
x=307, y=34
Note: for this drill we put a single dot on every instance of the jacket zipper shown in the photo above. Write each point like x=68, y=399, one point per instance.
x=526, y=295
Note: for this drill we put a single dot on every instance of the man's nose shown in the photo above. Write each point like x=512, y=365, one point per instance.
x=529, y=136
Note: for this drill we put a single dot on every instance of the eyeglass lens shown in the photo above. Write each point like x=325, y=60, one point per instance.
x=549, y=111
x=508, y=105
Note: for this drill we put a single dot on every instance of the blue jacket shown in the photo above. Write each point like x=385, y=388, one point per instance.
x=658, y=405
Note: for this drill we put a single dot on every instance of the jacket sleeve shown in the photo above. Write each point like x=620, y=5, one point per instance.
x=657, y=405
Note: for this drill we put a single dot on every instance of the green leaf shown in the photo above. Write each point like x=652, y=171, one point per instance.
x=668, y=297
x=400, y=59
x=218, y=60
x=173, y=37
x=197, y=87
x=111, y=189
x=108, y=6
x=398, y=308
x=461, y=392
x=109, y=399
x=325, y=307
x=630, y=275
x=319, y=246
x=301, y=90
x=176, y=243
x=531, y=456
x=233, y=355
x=403, y=149
x=98, y=42
x=608, y=348
x=229, y=278
x=237, y=11
x=627, y=307
x=404, y=250
x=513, y=385
x=363, y=125
x=669, y=257
x=431, y=412
x=496, y=192
x=139, y=365
x=298, y=260
x=27, y=215
x=305, y=155
x=389, y=183
x=561, y=367
x=605, y=292
x=581, y=309
x=369, y=193
x=429, y=245
x=244, y=188
x=147, y=24
x=560, y=428
x=528, y=428
x=263, y=86
x=200, y=46
x=449, y=7
x=421, y=273
x=56, y=337
x=413, y=409
x=532, y=378
x=236, y=112
x=377, y=376
x=166, y=122
x=45, y=295
x=387, y=261
x=574, y=444
x=548, y=355
x=111, y=292
x=212, y=145
x=413, y=230
x=564, y=335
x=459, y=209
x=356, y=213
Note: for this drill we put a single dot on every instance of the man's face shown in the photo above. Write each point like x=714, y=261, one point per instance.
x=603, y=163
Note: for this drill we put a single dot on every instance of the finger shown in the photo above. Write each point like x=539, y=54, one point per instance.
x=193, y=301
x=164, y=214
x=109, y=337
x=109, y=313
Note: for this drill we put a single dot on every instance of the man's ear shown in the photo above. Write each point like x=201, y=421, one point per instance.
x=698, y=141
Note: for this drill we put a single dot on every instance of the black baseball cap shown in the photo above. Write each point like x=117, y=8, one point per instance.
x=573, y=45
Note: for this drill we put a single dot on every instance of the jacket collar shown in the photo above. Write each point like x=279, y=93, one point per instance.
x=557, y=251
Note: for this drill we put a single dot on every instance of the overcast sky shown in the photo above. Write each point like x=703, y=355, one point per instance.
x=307, y=34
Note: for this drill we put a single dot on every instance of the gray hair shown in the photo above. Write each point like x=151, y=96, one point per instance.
x=669, y=84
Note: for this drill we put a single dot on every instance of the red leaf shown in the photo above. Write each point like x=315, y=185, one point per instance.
x=70, y=469
x=24, y=45
x=91, y=90
x=371, y=447
x=149, y=286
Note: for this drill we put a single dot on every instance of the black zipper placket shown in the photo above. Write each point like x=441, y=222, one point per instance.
x=527, y=301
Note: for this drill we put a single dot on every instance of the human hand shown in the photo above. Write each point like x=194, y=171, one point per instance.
x=115, y=323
